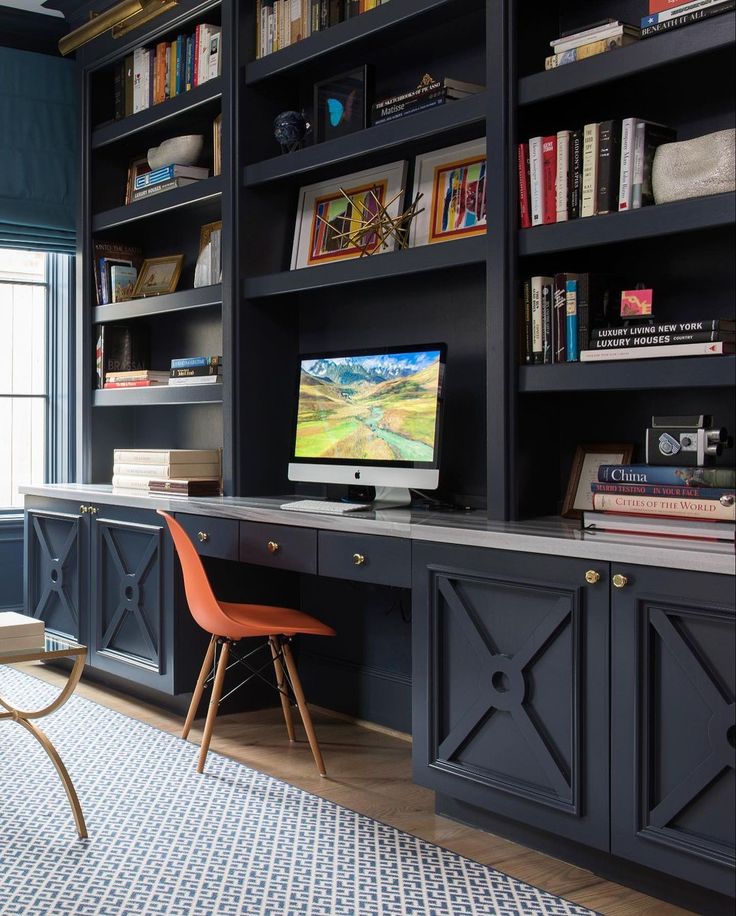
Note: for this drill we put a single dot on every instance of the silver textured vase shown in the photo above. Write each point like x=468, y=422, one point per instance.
x=694, y=168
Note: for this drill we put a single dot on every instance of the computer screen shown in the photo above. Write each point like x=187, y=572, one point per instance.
x=369, y=409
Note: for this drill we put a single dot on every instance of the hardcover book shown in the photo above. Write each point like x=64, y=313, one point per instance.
x=609, y=166
x=549, y=178
x=590, y=170
x=525, y=218
x=727, y=497
x=536, y=180
x=719, y=348
x=120, y=347
x=706, y=509
x=621, y=523
x=718, y=477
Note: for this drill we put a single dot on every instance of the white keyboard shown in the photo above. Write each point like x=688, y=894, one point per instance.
x=329, y=507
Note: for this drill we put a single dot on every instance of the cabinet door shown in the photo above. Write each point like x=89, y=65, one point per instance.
x=56, y=570
x=674, y=723
x=510, y=686
x=128, y=635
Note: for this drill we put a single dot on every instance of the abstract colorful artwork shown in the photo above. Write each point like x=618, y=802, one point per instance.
x=454, y=183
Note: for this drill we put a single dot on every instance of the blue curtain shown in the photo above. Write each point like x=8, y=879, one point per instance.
x=38, y=129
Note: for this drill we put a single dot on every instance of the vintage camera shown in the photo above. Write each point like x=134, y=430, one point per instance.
x=685, y=441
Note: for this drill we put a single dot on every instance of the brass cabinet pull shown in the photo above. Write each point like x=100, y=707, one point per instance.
x=619, y=581
x=92, y=510
x=84, y=509
x=592, y=576
x=203, y=536
x=358, y=559
x=273, y=546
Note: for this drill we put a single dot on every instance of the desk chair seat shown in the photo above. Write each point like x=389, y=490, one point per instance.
x=227, y=623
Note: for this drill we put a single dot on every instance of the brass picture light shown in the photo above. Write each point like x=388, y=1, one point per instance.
x=121, y=18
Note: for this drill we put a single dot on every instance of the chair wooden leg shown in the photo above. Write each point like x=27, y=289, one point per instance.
x=281, y=682
x=214, y=703
x=199, y=689
x=303, y=708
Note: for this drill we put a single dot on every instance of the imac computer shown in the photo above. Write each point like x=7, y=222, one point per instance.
x=369, y=419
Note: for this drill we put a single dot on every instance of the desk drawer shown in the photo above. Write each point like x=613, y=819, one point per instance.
x=213, y=537
x=365, y=558
x=280, y=546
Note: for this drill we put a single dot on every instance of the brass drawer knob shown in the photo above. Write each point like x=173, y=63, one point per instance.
x=84, y=509
x=92, y=510
x=619, y=581
x=273, y=546
x=358, y=559
x=592, y=576
x=203, y=537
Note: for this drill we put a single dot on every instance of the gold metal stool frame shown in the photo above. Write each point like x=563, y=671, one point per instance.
x=55, y=647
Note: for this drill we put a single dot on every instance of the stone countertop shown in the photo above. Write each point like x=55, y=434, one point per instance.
x=471, y=529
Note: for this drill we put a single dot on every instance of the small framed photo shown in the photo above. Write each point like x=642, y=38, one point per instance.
x=452, y=182
x=329, y=210
x=158, y=276
x=584, y=472
x=341, y=104
x=137, y=167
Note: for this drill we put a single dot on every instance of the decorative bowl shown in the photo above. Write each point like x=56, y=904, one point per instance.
x=693, y=168
x=184, y=150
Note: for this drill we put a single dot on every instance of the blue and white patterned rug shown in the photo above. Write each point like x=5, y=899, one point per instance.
x=167, y=842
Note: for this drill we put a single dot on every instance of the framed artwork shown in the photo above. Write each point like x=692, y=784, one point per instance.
x=158, y=276
x=341, y=104
x=329, y=209
x=452, y=182
x=208, y=269
x=137, y=167
x=584, y=472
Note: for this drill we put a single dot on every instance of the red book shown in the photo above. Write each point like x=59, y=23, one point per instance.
x=660, y=6
x=525, y=219
x=549, y=178
x=195, y=68
x=137, y=383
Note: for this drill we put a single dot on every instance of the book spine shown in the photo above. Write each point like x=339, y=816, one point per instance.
x=667, y=475
x=680, y=327
x=628, y=131
x=535, y=180
x=559, y=318
x=167, y=471
x=547, y=346
x=590, y=36
x=138, y=383
x=124, y=482
x=549, y=176
x=151, y=76
x=528, y=346
x=195, y=55
x=195, y=371
x=662, y=6
x=525, y=218
x=672, y=12
x=717, y=348
x=158, y=188
x=705, y=509
x=187, y=362
x=583, y=52
x=609, y=166
x=727, y=497
x=119, y=90
x=618, y=343
x=399, y=111
x=590, y=170
x=410, y=96
x=537, y=350
x=637, y=176
x=687, y=18
x=563, y=174
x=571, y=320
x=576, y=173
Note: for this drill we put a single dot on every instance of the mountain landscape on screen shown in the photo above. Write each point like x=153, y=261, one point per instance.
x=363, y=408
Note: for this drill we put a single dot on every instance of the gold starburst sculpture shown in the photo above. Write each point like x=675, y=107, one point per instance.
x=375, y=225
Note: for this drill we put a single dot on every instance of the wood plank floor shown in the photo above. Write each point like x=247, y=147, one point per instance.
x=370, y=771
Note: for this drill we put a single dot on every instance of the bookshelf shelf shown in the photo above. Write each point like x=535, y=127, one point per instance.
x=198, y=193
x=202, y=297
x=377, y=267
x=676, y=372
x=446, y=119
x=671, y=48
x=157, y=395
x=389, y=18
x=697, y=213
x=156, y=114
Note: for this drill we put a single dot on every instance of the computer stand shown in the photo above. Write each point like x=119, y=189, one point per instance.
x=380, y=497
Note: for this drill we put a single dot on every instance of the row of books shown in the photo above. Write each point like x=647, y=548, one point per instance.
x=171, y=472
x=280, y=23
x=598, y=169
x=149, y=76
x=428, y=94
x=196, y=370
x=589, y=41
x=570, y=318
x=115, y=268
x=166, y=178
x=697, y=502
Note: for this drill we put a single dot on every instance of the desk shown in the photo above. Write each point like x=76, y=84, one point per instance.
x=557, y=677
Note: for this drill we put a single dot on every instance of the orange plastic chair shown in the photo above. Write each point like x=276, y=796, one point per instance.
x=229, y=623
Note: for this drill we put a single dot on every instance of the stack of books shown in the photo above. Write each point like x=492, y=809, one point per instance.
x=149, y=76
x=195, y=370
x=714, y=337
x=120, y=348
x=115, y=268
x=671, y=14
x=135, y=378
x=600, y=168
x=166, y=178
x=427, y=95
x=193, y=472
x=19, y=633
x=280, y=23
x=591, y=40
x=695, y=502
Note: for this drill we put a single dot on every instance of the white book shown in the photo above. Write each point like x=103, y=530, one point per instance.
x=195, y=380
x=583, y=38
x=590, y=170
x=171, y=456
x=716, y=348
x=637, y=175
x=628, y=136
x=140, y=79
x=536, y=193
x=563, y=173
x=214, y=62
x=537, y=319
x=166, y=471
x=668, y=527
x=20, y=626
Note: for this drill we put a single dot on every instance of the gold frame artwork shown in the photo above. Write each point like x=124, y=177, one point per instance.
x=610, y=453
x=175, y=260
